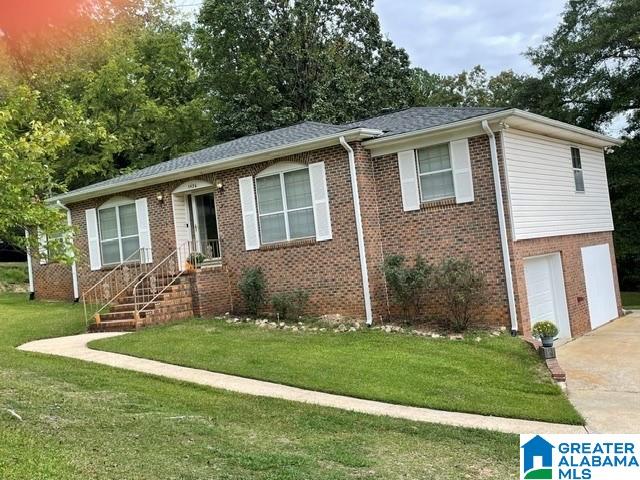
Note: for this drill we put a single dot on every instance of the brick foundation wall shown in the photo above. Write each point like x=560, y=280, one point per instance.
x=446, y=229
x=53, y=281
x=569, y=247
x=210, y=292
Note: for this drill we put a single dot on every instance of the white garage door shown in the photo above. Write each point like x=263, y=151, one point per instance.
x=545, y=292
x=598, y=275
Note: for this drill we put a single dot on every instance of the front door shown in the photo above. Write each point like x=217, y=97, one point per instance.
x=204, y=231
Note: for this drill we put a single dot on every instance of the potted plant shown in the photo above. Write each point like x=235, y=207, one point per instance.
x=194, y=259
x=546, y=332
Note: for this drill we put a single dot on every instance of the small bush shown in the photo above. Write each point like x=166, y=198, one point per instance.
x=408, y=285
x=253, y=285
x=290, y=304
x=544, y=329
x=463, y=290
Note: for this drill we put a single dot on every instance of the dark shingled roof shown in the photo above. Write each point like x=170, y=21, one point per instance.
x=420, y=118
x=393, y=123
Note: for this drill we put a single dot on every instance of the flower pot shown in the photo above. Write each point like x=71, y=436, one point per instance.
x=547, y=341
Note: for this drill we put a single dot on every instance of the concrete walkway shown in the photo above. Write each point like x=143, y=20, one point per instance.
x=76, y=347
x=603, y=375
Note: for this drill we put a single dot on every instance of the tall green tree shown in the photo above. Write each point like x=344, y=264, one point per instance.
x=266, y=64
x=128, y=91
x=27, y=150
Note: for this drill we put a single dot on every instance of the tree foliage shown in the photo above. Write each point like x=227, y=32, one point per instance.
x=265, y=64
x=27, y=149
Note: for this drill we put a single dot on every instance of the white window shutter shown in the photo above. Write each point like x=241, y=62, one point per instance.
x=462, y=176
x=42, y=248
x=93, y=239
x=409, y=180
x=144, y=233
x=249, y=214
x=320, y=200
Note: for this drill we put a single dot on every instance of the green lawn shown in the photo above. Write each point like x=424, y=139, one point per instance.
x=496, y=376
x=631, y=300
x=86, y=421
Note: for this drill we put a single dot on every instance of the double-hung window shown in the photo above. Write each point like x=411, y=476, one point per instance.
x=578, y=175
x=435, y=173
x=285, y=206
x=119, y=238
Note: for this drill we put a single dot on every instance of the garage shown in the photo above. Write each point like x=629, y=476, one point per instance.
x=545, y=292
x=598, y=276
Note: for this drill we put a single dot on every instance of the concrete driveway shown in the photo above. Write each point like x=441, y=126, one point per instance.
x=603, y=375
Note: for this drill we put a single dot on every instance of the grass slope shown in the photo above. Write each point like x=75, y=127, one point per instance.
x=85, y=421
x=496, y=376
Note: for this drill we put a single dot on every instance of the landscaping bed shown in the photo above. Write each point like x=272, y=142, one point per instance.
x=485, y=373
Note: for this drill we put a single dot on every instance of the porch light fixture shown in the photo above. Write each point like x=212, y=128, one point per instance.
x=160, y=197
x=219, y=185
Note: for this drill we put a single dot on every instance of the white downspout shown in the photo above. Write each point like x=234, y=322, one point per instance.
x=32, y=290
x=506, y=257
x=74, y=268
x=360, y=234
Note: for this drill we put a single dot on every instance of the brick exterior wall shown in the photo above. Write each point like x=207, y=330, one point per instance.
x=330, y=270
x=446, y=229
x=569, y=247
x=210, y=292
x=52, y=281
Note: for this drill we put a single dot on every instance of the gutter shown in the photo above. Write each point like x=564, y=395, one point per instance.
x=221, y=164
x=74, y=268
x=359, y=232
x=506, y=257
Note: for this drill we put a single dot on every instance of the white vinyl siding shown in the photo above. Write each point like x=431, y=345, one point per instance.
x=542, y=190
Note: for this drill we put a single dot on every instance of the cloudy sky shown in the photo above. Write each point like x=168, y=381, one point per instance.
x=449, y=36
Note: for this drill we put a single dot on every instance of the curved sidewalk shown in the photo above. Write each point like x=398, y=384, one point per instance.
x=76, y=347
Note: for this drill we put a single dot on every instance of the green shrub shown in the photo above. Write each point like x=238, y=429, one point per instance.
x=290, y=304
x=463, y=290
x=544, y=329
x=253, y=285
x=408, y=285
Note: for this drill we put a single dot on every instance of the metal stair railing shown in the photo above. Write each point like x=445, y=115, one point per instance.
x=167, y=272
x=115, y=283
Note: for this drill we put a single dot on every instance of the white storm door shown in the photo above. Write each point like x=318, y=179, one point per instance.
x=545, y=292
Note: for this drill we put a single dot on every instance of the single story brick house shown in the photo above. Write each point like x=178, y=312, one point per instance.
x=318, y=206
